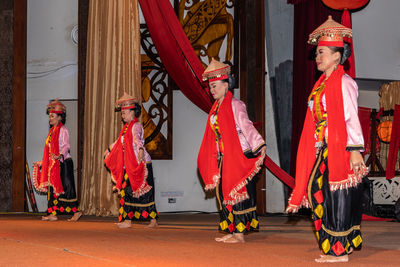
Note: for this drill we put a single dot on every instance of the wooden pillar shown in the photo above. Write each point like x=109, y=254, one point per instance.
x=252, y=73
x=19, y=104
x=83, y=12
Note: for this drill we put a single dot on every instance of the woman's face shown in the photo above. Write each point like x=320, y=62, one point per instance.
x=127, y=115
x=326, y=59
x=54, y=119
x=218, y=89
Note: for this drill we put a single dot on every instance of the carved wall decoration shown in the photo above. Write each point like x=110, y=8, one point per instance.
x=156, y=101
x=207, y=24
x=385, y=192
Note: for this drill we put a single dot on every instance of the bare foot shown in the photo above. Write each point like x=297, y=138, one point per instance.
x=222, y=239
x=76, y=217
x=125, y=224
x=329, y=258
x=236, y=238
x=49, y=217
x=153, y=223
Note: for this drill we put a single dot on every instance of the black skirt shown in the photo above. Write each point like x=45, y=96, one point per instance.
x=138, y=209
x=336, y=214
x=66, y=203
x=241, y=217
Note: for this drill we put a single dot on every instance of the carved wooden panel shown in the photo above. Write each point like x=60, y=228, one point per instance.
x=209, y=26
x=156, y=100
x=385, y=192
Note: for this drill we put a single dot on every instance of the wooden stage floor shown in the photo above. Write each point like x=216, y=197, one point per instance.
x=181, y=239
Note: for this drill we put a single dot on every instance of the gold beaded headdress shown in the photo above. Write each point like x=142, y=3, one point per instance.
x=330, y=33
x=56, y=107
x=216, y=71
x=126, y=102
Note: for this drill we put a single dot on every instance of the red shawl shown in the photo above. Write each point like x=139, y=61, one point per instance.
x=124, y=156
x=237, y=170
x=340, y=175
x=49, y=172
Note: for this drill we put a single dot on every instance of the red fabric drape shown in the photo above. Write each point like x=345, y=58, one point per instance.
x=364, y=115
x=278, y=172
x=175, y=51
x=308, y=15
x=182, y=63
x=350, y=65
x=394, y=144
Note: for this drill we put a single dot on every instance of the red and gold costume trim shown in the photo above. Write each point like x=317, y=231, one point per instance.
x=216, y=71
x=340, y=175
x=47, y=173
x=122, y=155
x=237, y=170
x=330, y=33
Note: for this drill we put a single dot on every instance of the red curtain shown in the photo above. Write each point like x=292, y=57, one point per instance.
x=364, y=115
x=308, y=15
x=394, y=144
x=175, y=51
x=350, y=65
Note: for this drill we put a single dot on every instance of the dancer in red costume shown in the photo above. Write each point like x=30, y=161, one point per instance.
x=329, y=166
x=55, y=173
x=131, y=168
x=231, y=153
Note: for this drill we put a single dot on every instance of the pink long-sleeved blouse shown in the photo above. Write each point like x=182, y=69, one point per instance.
x=138, y=141
x=355, y=139
x=250, y=138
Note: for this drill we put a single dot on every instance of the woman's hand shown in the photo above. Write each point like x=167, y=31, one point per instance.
x=291, y=209
x=141, y=155
x=106, y=152
x=263, y=149
x=115, y=189
x=260, y=161
x=56, y=157
x=39, y=163
x=356, y=161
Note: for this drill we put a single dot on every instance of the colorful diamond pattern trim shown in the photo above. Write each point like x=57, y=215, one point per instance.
x=357, y=241
x=320, y=182
x=230, y=217
x=240, y=227
x=325, y=154
x=319, y=211
x=338, y=248
x=137, y=215
x=317, y=224
x=223, y=225
x=318, y=196
x=322, y=167
x=326, y=246
x=254, y=223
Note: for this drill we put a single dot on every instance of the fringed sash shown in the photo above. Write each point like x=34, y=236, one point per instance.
x=237, y=170
x=122, y=155
x=47, y=173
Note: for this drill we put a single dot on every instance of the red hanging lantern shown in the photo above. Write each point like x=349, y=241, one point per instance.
x=345, y=4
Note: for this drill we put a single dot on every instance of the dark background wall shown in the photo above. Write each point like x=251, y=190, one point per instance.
x=6, y=103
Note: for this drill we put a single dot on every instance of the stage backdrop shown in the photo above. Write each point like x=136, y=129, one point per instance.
x=113, y=66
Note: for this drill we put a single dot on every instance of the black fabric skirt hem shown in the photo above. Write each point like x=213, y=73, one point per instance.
x=336, y=214
x=138, y=209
